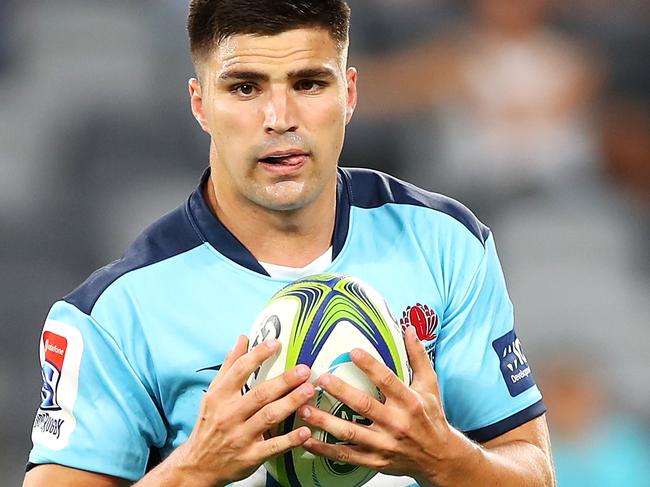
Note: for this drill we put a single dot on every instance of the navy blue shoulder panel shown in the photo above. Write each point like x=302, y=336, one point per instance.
x=171, y=235
x=372, y=189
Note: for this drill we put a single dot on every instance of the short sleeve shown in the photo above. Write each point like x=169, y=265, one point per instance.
x=96, y=413
x=486, y=383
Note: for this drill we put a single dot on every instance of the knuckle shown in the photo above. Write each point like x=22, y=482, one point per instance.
x=391, y=447
x=343, y=455
x=289, y=378
x=260, y=395
x=415, y=406
x=269, y=416
x=364, y=406
x=219, y=423
x=401, y=430
x=387, y=379
x=349, y=434
x=239, y=368
x=275, y=448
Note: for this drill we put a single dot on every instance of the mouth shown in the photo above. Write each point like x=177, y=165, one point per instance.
x=289, y=158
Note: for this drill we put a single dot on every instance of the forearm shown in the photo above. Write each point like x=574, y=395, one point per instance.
x=176, y=471
x=516, y=464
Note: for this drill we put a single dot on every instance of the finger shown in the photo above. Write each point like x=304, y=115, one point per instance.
x=278, y=411
x=361, y=402
x=281, y=444
x=241, y=369
x=344, y=453
x=343, y=430
x=423, y=373
x=240, y=347
x=273, y=389
x=382, y=376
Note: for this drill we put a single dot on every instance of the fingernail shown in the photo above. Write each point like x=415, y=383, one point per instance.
x=325, y=380
x=306, y=390
x=304, y=434
x=304, y=412
x=356, y=353
x=302, y=371
x=271, y=343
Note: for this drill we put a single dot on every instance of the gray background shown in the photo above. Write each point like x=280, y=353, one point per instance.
x=97, y=140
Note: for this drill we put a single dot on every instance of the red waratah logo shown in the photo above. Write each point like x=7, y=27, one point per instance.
x=423, y=318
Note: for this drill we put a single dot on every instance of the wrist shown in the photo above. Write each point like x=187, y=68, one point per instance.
x=452, y=463
x=191, y=469
x=182, y=468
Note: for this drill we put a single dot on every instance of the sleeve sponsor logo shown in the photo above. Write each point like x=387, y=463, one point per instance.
x=514, y=365
x=49, y=425
x=54, y=347
x=60, y=352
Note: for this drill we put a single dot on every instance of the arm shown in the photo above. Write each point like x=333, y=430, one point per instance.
x=227, y=442
x=70, y=477
x=525, y=451
x=410, y=434
x=520, y=457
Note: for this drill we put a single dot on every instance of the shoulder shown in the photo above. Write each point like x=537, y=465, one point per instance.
x=373, y=189
x=171, y=235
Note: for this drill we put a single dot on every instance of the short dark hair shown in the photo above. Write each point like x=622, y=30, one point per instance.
x=211, y=21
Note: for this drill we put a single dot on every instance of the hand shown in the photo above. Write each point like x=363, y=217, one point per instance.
x=409, y=434
x=227, y=442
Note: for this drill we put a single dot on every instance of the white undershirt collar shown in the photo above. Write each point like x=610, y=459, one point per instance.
x=317, y=266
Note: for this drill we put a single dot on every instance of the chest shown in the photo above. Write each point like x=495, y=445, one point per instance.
x=192, y=330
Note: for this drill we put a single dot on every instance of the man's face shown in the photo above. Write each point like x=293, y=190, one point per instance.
x=276, y=108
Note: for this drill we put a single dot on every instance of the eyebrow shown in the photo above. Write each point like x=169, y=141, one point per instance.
x=243, y=76
x=321, y=72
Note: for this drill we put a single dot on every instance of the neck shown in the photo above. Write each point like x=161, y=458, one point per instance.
x=292, y=238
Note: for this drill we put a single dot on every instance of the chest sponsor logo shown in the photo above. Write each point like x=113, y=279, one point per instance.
x=425, y=321
x=514, y=365
x=60, y=352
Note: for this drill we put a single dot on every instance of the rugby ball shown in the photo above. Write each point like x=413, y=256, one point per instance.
x=319, y=320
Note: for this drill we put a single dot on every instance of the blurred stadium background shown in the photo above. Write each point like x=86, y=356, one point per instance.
x=535, y=113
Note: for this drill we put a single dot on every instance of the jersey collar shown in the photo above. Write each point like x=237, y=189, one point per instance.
x=211, y=230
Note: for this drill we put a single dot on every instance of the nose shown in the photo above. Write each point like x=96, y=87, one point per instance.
x=279, y=113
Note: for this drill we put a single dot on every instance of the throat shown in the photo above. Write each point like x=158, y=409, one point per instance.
x=292, y=238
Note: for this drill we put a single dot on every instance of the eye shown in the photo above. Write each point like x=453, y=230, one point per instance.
x=310, y=85
x=244, y=89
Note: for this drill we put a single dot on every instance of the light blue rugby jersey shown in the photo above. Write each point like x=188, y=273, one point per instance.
x=127, y=356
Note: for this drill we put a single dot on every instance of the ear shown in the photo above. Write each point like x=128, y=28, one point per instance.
x=196, y=102
x=351, y=77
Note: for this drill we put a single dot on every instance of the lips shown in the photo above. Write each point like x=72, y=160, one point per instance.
x=284, y=158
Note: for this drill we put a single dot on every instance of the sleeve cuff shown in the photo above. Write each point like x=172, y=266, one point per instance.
x=31, y=465
x=487, y=433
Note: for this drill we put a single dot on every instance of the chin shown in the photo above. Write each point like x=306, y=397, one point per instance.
x=285, y=196
x=284, y=204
